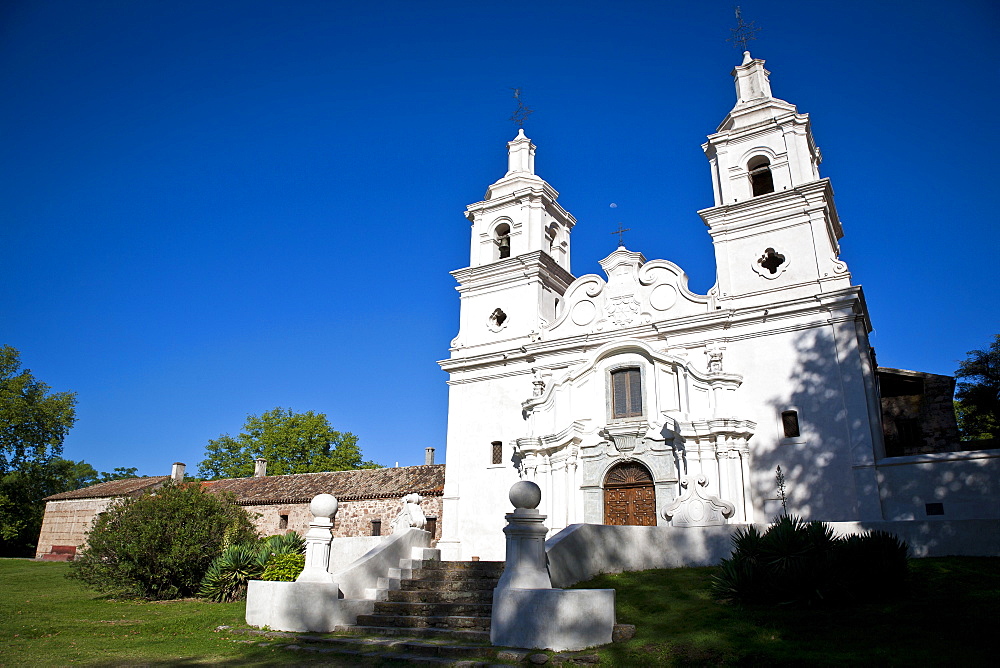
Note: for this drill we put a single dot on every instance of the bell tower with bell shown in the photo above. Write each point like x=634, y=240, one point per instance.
x=774, y=224
x=519, y=256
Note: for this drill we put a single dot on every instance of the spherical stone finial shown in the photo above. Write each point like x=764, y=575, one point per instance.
x=324, y=505
x=525, y=494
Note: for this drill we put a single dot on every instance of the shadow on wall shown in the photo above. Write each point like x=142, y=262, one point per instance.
x=819, y=425
x=831, y=449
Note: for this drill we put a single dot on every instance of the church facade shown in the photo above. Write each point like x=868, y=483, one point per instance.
x=630, y=399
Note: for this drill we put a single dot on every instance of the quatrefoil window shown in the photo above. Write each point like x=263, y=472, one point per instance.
x=770, y=264
x=497, y=320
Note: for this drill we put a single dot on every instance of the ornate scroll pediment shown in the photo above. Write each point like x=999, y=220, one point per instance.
x=636, y=292
x=695, y=507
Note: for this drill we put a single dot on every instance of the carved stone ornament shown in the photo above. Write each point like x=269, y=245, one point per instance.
x=714, y=353
x=623, y=310
x=410, y=514
x=695, y=507
x=626, y=436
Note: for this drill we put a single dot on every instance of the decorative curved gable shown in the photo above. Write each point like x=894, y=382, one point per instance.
x=636, y=292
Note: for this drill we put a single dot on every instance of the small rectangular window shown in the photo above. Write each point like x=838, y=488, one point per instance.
x=282, y=521
x=790, y=423
x=626, y=393
x=377, y=527
x=497, y=447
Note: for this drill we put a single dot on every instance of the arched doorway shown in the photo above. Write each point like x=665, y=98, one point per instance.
x=629, y=496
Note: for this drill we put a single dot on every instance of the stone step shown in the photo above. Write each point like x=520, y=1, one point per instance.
x=492, y=567
x=455, y=635
x=425, y=553
x=426, y=621
x=428, y=608
x=478, y=585
x=395, y=647
x=430, y=596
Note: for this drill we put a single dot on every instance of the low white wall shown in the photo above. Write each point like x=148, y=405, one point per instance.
x=345, y=551
x=301, y=606
x=554, y=619
x=581, y=551
x=966, y=483
x=364, y=572
x=937, y=538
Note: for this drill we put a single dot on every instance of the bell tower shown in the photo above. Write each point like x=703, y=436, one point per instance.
x=519, y=213
x=774, y=224
x=519, y=257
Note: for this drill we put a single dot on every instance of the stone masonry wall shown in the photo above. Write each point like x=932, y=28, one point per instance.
x=354, y=518
x=67, y=522
x=918, y=413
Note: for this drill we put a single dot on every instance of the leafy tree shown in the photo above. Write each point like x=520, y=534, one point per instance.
x=159, y=546
x=290, y=442
x=120, y=473
x=33, y=422
x=978, y=393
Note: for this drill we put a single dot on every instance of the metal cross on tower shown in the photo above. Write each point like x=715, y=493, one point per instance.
x=620, y=232
x=522, y=111
x=743, y=33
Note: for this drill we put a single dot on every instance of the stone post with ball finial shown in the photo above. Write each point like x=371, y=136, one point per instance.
x=318, y=539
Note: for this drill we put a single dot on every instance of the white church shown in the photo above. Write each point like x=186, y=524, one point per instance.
x=631, y=400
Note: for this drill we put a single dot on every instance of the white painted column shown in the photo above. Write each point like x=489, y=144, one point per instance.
x=318, y=540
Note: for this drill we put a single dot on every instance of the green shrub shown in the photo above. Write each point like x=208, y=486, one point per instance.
x=799, y=562
x=284, y=567
x=873, y=564
x=227, y=577
x=159, y=546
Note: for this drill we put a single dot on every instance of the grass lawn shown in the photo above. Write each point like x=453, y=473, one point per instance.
x=47, y=620
x=949, y=617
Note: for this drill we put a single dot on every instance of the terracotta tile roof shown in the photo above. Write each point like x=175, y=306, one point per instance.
x=426, y=480
x=124, y=487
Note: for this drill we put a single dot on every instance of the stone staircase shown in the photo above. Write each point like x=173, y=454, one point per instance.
x=429, y=598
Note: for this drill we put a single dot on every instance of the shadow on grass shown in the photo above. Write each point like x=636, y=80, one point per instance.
x=947, y=616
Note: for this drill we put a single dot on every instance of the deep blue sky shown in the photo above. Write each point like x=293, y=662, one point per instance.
x=213, y=208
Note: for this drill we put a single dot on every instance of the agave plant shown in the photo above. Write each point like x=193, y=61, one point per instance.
x=227, y=577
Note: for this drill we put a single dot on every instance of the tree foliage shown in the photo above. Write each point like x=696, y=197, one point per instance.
x=33, y=425
x=159, y=546
x=33, y=422
x=290, y=442
x=977, y=393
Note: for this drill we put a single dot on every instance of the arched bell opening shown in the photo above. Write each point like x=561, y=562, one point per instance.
x=501, y=237
x=629, y=495
x=761, y=180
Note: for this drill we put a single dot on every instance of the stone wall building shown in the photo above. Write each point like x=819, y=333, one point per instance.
x=918, y=412
x=369, y=501
x=69, y=515
x=369, y=498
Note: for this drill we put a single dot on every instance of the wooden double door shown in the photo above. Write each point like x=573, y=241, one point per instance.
x=629, y=496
